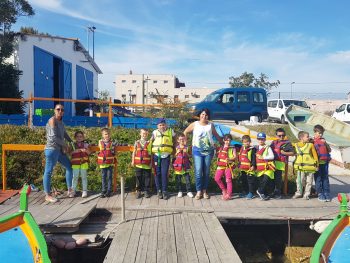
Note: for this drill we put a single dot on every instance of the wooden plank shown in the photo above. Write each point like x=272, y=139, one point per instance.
x=133, y=244
x=180, y=239
x=162, y=238
x=198, y=241
x=188, y=239
x=51, y=213
x=153, y=238
x=8, y=209
x=171, y=242
x=144, y=238
x=117, y=249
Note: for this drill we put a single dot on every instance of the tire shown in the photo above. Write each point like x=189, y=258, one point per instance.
x=283, y=119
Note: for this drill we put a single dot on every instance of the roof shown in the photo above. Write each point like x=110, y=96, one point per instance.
x=77, y=47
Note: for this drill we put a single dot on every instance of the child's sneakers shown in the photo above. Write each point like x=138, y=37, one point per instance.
x=190, y=195
x=321, y=198
x=71, y=193
x=138, y=194
x=179, y=195
x=84, y=194
x=50, y=199
x=328, y=198
x=262, y=196
x=160, y=195
x=147, y=194
x=249, y=196
x=296, y=195
x=165, y=196
x=224, y=194
x=306, y=197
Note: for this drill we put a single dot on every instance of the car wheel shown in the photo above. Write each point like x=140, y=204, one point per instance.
x=283, y=119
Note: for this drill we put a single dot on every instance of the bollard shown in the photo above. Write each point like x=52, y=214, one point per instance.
x=122, y=197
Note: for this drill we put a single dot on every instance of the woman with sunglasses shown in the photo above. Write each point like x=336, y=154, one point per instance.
x=55, y=151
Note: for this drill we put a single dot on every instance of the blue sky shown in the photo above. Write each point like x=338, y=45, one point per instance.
x=204, y=42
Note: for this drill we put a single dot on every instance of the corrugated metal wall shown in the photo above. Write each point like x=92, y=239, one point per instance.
x=85, y=83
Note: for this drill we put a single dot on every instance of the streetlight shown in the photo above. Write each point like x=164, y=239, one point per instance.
x=291, y=89
x=92, y=29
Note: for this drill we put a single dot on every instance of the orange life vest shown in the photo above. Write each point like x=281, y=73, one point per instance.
x=79, y=157
x=142, y=156
x=223, y=156
x=244, y=162
x=106, y=155
x=276, y=148
x=321, y=150
x=182, y=160
x=261, y=164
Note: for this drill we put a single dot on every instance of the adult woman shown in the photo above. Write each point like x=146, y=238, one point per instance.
x=55, y=150
x=202, y=150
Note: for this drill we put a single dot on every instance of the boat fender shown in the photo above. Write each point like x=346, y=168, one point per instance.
x=320, y=226
x=81, y=241
x=59, y=243
x=70, y=245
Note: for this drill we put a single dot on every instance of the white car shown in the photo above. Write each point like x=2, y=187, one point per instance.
x=277, y=108
x=342, y=113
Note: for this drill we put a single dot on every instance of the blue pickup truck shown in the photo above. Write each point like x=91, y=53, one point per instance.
x=237, y=104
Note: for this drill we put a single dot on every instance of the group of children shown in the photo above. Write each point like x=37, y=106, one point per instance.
x=257, y=166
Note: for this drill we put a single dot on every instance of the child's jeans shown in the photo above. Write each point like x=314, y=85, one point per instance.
x=278, y=182
x=248, y=182
x=304, y=183
x=143, y=177
x=322, y=180
x=228, y=175
x=263, y=181
x=179, y=183
x=162, y=169
x=107, y=175
x=83, y=174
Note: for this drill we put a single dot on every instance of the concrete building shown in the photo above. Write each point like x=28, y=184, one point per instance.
x=55, y=67
x=155, y=88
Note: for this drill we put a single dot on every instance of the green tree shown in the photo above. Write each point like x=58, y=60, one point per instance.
x=249, y=80
x=10, y=11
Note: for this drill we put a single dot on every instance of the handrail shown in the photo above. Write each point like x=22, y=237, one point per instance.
x=41, y=147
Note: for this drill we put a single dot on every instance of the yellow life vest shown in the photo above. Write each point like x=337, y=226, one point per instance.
x=163, y=142
x=304, y=160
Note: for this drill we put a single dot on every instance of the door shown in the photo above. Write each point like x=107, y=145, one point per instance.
x=243, y=106
x=84, y=85
x=67, y=86
x=225, y=106
x=340, y=112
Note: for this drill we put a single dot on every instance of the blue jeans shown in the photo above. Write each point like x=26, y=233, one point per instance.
x=202, y=170
x=107, y=175
x=322, y=180
x=162, y=169
x=52, y=157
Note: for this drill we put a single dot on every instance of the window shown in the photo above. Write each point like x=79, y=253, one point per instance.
x=187, y=96
x=280, y=104
x=243, y=97
x=272, y=104
x=165, y=81
x=176, y=96
x=155, y=81
x=123, y=95
x=227, y=98
x=134, y=81
x=348, y=108
x=123, y=81
x=258, y=97
x=341, y=108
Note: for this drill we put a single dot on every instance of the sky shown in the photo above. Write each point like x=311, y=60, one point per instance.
x=204, y=42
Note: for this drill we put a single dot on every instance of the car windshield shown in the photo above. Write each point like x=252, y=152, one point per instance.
x=300, y=103
x=211, y=97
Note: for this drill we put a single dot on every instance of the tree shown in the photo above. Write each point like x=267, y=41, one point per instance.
x=10, y=11
x=249, y=80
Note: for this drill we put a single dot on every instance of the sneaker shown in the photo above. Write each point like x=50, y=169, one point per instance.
x=34, y=188
x=189, y=194
x=243, y=194
x=198, y=196
x=147, y=194
x=306, y=197
x=108, y=194
x=179, y=195
x=295, y=196
x=160, y=196
x=249, y=196
x=276, y=196
x=328, y=198
x=84, y=194
x=71, y=193
x=138, y=194
x=50, y=199
x=262, y=196
x=321, y=198
x=165, y=196
x=103, y=194
x=206, y=196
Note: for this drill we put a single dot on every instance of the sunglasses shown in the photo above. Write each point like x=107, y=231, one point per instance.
x=59, y=109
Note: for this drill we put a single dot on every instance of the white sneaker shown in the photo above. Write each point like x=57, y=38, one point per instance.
x=189, y=194
x=84, y=194
x=179, y=194
x=71, y=193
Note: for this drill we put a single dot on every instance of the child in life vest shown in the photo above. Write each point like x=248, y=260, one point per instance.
x=305, y=164
x=225, y=165
x=282, y=148
x=321, y=175
x=105, y=160
x=264, y=165
x=80, y=162
x=182, y=165
x=247, y=166
x=142, y=161
x=162, y=147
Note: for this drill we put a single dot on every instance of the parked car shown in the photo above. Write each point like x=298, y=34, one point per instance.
x=277, y=108
x=342, y=113
x=236, y=104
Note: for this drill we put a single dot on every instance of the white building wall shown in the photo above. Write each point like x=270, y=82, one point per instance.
x=132, y=88
x=60, y=47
